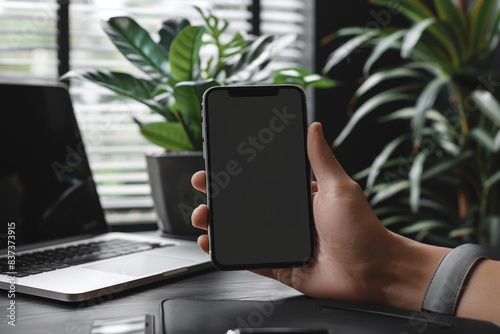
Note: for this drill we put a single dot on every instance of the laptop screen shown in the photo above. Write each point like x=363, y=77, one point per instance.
x=46, y=187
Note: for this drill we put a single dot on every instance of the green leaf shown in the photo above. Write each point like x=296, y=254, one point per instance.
x=492, y=180
x=185, y=53
x=451, y=13
x=424, y=103
x=232, y=48
x=137, y=46
x=462, y=232
x=493, y=33
x=397, y=220
x=169, y=30
x=302, y=77
x=408, y=113
x=417, y=11
x=496, y=141
x=215, y=26
x=256, y=57
x=414, y=10
x=389, y=163
x=379, y=77
x=445, y=165
x=123, y=84
x=188, y=96
x=382, y=158
x=252, y=52
x=346, y=49
x=387, y=190
x=369, y=106
x=479, y=18
x=424, y=225
x=385, y=43
x=415, y=177
x=413, y=36
x=483, y=138
x=169, y=135
x=488, y=105
x=444, y=131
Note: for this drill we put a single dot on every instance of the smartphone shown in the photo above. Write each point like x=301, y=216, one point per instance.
x=258, y=177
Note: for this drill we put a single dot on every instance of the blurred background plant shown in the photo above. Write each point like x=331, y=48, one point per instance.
x=187, y=60
x=438, y=180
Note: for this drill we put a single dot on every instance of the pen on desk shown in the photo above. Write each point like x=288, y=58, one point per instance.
x=279, y=330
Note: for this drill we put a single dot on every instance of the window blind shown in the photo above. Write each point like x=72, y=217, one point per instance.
x=28, y=43
x=115, y=147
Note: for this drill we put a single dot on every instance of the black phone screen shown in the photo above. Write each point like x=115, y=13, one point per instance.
x=258, y=177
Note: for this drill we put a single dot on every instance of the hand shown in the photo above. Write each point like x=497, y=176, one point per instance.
x=357, y=259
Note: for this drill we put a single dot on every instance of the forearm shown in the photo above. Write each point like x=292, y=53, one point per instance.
x=413, y=266
x=413, y=270
x=480, y=297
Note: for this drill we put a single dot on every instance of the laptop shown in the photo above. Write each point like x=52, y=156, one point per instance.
x=54, y=240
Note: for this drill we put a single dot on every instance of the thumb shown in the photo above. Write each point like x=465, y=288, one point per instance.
x=325, y=166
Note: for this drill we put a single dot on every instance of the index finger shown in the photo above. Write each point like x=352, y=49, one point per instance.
x=198, y=180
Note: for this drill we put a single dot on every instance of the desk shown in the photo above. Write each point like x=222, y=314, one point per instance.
x=39, y=316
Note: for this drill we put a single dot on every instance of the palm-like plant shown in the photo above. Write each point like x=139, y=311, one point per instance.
x=446, y=187
x=175, y=71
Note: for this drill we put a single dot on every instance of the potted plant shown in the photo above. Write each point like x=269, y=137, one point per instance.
x=439, y=180
x=176, y=71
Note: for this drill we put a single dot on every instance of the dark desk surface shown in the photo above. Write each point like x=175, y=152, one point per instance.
x=39, y=315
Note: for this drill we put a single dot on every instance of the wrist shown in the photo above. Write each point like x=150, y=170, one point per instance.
x=410, y=269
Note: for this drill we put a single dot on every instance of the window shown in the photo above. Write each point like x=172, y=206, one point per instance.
x=29, y=52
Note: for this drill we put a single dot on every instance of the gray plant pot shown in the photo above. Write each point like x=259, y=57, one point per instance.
x=173, y=195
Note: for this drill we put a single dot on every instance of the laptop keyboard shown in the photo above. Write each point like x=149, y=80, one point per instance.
x=61, y=257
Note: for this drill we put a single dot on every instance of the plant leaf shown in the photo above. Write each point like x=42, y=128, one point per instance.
x=424, y=225
x=251, y=52
x=414, y=10
x=123, y=84
x=385, y=43
x=188, y=97
x=382, y=158
x=417, y=11
x=413, y=35
x=232, y=48
x=346, y=49
x=492, y=180
x=367, y=107
x=415, y=177
x=379, y=77
x=493, y=33
x=461, y=232
x=185, y=53
x=479, y=19
x=445, y=165
x=256, y=57
x=450, y=12
x=496, y=142
x=302, y=77
x=387, y=190
x=397, y=219
x=488, y=105
x=169, y=135
x=169, y=30
x=483, y=138
x=137, y=46
x=425, y=102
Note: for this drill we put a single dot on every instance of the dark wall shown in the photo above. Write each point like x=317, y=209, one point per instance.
x=331, y=104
